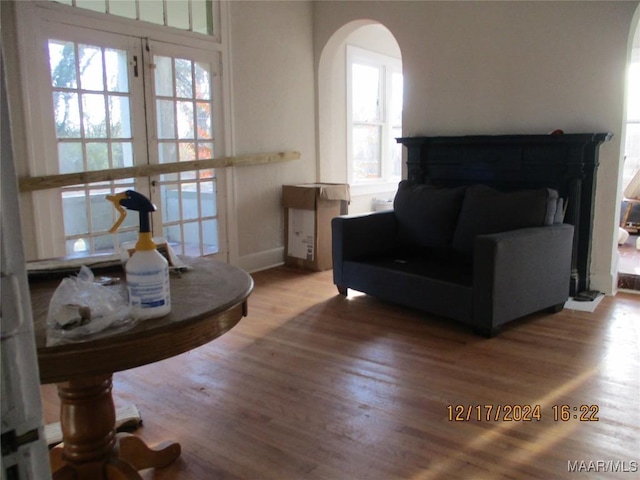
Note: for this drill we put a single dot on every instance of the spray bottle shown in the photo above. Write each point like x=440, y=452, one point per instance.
x=147, y=270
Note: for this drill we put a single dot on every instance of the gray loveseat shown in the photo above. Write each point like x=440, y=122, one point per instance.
x=473, y=254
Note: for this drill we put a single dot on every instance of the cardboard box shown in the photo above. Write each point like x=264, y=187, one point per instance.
x=308, y=210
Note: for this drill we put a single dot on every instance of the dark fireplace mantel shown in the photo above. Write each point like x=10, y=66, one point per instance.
x=565, y=162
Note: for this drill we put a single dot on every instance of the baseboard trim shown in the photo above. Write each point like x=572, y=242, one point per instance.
x=603, y=283
x=255, y=262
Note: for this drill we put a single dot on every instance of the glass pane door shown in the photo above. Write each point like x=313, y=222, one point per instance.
x=97, y=103
x=186, y=100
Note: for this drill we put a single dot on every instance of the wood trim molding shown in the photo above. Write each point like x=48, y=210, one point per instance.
x=45, y=182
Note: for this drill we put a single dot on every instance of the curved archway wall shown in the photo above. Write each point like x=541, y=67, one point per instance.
x=512, y=67
x=632, y=162
x=332, y=100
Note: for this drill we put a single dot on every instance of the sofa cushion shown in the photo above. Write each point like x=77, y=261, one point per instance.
x=427, y=215
x=453, y=299
x=486, y=211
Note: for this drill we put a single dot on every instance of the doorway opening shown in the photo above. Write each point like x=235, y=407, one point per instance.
x=629, y=229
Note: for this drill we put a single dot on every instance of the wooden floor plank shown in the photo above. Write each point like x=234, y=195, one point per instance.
x=312, y=385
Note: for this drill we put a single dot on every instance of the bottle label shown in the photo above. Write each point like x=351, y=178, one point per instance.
x=149, y=289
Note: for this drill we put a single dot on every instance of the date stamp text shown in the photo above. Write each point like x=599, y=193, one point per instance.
x=521, y=413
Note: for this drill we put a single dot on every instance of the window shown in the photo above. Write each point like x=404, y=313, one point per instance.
x=193, y=15
x=111, y=100
x=374, y=117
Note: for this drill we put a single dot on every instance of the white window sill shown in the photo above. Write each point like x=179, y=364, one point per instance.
x=359, y=189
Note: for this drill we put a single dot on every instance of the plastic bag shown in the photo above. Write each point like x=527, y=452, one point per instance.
x=79, y=308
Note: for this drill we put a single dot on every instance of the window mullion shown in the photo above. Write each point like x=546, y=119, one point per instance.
x=150, y=185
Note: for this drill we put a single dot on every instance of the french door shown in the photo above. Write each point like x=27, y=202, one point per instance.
x=113, y=101
x=186, y=98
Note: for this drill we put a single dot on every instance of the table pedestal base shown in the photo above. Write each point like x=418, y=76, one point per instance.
x=91, y=448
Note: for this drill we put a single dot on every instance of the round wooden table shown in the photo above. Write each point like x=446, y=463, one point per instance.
x=206, y=302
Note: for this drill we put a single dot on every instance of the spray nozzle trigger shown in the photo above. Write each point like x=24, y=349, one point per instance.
x=115, y=199
x=133, y=201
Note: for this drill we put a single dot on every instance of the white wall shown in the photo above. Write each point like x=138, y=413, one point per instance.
x=273, y=83
x=511, y=67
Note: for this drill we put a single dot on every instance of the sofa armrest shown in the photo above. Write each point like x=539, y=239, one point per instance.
x=355, y=236
x=520, y=272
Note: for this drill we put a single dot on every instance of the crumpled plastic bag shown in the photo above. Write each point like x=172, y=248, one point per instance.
x=79, y=308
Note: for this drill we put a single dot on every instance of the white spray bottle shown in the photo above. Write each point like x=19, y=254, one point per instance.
x=147, y=270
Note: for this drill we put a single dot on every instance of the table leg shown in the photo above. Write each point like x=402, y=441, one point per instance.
x=127, y=417
x=135, y=452
x=91, y=449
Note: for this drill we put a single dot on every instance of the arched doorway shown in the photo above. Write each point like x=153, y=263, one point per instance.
x=629, y=231
x=336, y=138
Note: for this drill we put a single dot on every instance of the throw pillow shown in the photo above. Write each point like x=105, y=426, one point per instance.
x=486, y=211
x=426, y=214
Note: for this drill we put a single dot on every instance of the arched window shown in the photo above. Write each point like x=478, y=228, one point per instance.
x=360, y=87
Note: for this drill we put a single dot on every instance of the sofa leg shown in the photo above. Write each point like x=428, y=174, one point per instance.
x=487, y=332
x=556, y=308
x=342, y=290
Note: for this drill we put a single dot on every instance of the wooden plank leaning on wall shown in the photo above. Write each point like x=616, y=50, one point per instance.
x=30, y=184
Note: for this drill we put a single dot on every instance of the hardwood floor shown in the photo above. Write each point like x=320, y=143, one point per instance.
x=314, y=386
